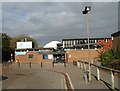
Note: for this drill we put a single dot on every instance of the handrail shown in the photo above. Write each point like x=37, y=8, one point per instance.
x=106, y=68
x=82, y=65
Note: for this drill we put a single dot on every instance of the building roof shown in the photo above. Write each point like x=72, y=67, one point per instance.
x=116, y=33
x=52, y=44
x=29, y=49
x=84, y=39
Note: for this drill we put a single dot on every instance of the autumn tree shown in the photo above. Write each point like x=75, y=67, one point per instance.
x=108, y=56
x=105, y=46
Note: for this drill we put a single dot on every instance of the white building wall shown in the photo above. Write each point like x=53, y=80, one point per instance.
x=50, y=56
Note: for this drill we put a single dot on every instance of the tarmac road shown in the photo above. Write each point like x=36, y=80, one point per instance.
x=47, y=77
x=28, y=78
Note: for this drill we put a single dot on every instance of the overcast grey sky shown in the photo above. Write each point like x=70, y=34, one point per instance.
x=48, y=21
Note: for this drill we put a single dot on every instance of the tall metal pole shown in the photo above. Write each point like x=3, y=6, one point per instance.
x=87, y=30
x=87, y=9
x=88, y=37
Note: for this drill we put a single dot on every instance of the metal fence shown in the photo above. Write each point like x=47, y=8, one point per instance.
x=87, y=67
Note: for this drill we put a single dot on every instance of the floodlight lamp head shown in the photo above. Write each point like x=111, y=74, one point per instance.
x=84, y=12
x=87, y=8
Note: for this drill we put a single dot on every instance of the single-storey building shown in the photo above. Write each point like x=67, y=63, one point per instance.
x=38, y=55
x=49, y=55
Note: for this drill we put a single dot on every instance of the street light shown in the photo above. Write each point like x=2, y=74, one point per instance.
x=86, y=11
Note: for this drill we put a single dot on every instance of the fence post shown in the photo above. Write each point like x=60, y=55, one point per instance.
x=81, y=65
x=98, y=73
x=85, y=76
x=112, y=80
x=85, y=73
x=78, y=64
x=84, y=66
x=89, y=72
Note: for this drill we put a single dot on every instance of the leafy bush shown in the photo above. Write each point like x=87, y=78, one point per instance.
x=115, y=64
x=110, y=59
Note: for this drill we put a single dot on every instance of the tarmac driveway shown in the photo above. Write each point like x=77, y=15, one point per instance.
x=26, y=78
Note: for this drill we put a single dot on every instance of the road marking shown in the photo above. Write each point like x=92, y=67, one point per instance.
x=71, y=85
x=63, y=84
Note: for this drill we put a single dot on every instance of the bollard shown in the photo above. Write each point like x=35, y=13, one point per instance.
x=112, y=80
x=30, y=64
x=84, y=66
x=78, y=64
x=18, y=64
x=41, y=65
x=53, y=63
x=98, y=73
x=64, y=64
x=73, y=62
x=81, y=66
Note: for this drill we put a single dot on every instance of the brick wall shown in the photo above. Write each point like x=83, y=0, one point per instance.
x=116, y=45
x=37, y=58
x=70, y=56
x=82, y=55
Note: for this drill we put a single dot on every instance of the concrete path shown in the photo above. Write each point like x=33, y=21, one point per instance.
x=76, y=75
x=47, y=77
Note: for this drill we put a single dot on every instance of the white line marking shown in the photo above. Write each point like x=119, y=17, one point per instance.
x=70, y=82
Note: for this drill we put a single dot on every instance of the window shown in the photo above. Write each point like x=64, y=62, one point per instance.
x=45, y=56
x=30, y=56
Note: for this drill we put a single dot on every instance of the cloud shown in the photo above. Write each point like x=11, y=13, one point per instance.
x=60, y=0
x=47, y=21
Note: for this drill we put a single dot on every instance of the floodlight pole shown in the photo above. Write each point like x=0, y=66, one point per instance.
x=88, y=35
x=87, y=9
x=87, y=30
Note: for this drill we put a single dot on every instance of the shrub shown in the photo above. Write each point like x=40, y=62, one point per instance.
x=110, y=59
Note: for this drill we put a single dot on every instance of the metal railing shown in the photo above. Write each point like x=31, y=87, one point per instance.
x=88, y=73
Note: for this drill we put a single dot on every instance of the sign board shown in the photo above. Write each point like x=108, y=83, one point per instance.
x=20, y=53
x=24, y=45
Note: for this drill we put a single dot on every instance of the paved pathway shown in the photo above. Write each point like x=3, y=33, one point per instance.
x=47, y=77
x=76, y=76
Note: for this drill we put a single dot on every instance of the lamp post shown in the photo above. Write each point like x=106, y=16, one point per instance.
x=86, y=11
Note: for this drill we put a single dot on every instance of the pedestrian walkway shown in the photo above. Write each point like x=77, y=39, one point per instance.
x=35, y=77
x=76, y=75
